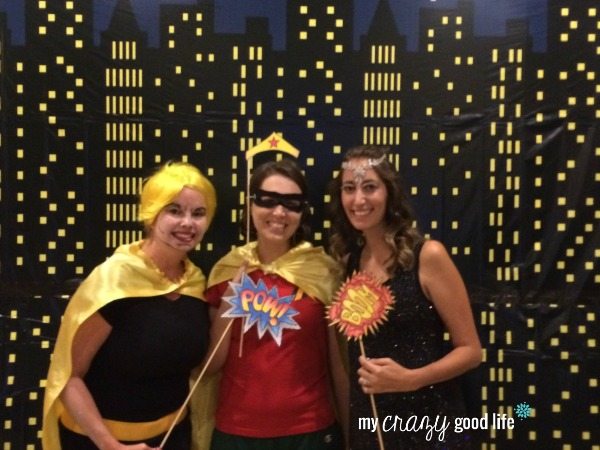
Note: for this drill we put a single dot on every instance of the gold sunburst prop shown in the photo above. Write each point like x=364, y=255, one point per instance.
x=360, y=306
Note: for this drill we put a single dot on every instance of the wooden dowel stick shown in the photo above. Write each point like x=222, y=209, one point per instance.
x=193, y=388
x=373, y=406
x=241, y=347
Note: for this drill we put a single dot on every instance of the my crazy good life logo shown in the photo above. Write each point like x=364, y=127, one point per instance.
x=261, y=306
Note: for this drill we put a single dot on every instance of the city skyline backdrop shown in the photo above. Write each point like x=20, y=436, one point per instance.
x=230, y=16
x=498, y=145
x=204, y=90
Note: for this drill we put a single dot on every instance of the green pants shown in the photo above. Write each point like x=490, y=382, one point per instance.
x=329, y=438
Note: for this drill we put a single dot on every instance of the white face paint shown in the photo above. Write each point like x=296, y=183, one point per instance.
x=182, y=223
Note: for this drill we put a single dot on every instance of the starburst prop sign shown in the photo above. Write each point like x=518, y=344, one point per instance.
x=360, y=306
x=261, y=306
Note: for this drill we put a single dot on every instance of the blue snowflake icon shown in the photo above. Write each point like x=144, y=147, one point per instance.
x=523, y=410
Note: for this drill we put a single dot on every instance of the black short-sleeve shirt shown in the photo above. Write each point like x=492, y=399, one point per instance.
x=142, y=370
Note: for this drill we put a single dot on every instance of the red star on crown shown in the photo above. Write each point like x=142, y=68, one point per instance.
x=274, y=142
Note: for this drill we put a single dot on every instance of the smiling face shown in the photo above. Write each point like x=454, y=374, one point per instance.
x=275, y=224
x=364, y=196
x=181, y=224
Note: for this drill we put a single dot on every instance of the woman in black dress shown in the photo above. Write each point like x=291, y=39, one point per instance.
x=408, y=367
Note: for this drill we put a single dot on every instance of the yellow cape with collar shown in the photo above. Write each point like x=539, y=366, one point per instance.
x=127, y=273
x=305, y=266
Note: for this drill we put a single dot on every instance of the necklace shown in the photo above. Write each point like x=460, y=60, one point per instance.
x=174, y=273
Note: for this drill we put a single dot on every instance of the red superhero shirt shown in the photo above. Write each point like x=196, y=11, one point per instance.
x=273, y=390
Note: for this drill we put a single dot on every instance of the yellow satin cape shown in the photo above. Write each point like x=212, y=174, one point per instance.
x=305, y=266
x=127, y=273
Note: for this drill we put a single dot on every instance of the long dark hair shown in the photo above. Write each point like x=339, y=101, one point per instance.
x=287, y=168
x=401, y=233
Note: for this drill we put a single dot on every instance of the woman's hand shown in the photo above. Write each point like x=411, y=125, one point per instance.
x=384, y=375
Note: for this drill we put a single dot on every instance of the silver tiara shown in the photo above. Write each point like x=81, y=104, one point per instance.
x=360, y=170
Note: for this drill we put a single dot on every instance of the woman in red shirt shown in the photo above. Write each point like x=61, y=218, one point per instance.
x=276, y=384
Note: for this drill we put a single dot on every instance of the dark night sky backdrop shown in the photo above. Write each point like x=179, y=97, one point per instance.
x=231, y=14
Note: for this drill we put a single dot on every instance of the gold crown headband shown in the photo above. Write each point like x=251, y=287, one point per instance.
x=359, y=170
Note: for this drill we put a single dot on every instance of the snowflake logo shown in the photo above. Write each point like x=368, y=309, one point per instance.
x=523, y=410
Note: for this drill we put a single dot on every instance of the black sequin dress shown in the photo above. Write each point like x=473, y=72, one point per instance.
x=412, y=336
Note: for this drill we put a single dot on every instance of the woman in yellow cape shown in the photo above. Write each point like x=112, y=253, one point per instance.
x=278, y=382
x=138, y=283
x=304, y=266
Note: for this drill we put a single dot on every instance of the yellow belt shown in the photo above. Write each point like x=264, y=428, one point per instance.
x=128, y=431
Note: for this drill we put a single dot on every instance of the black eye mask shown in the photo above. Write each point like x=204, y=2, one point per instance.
x=268, y=199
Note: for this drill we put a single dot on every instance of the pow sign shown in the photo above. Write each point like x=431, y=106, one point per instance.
x=261, y=306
